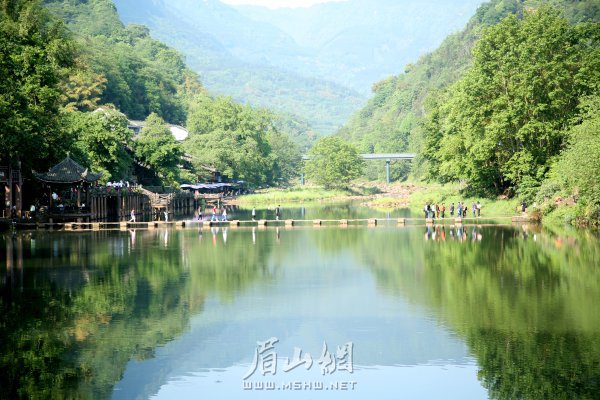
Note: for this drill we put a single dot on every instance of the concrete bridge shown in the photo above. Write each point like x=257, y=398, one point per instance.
x=388, y=157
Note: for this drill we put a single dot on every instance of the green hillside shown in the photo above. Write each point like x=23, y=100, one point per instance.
x=358, y=42
x=129, y=69
x=241, y=58
x=391, y=119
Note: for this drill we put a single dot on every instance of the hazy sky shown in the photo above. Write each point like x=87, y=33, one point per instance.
x=279, y=3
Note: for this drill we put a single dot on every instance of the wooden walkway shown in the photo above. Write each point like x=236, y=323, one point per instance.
x=371, y=222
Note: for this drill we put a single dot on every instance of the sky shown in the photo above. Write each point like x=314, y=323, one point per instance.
x=279, y=3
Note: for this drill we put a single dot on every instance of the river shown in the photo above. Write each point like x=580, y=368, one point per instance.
x=387, y=312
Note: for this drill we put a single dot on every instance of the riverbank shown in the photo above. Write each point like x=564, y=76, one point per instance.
x=305, y=194
x=407, y=195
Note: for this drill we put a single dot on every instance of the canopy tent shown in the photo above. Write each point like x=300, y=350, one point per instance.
x=208, y=186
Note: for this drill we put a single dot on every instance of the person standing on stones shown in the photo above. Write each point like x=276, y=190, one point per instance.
x=277, y=213
x=452, y=210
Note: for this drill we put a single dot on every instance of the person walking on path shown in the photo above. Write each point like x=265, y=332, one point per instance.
x=478, y=209
x=443, y=210
x=277, y=213
x=224, y=215
x=459, y=210
x=426, y=211
x=474, y=209
x=214, y=214
x=132, y=219
x=452, y=210
x=437, y=210
x=253, y=214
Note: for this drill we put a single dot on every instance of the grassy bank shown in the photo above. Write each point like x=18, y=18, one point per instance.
x=298, y=194
x=448, y=194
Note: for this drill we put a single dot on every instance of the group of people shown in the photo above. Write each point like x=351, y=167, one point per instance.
x=439, y=211
x=119, y=184
x=199, y=216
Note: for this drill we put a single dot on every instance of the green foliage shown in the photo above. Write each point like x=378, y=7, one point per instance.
x=124, y=66
x=100, y=140
x=35, y=54
x=241, y=142
x=157, y=148
x=574, y=172
x=287, y=159
x=505, y=121
x=407, y=95
x=333, y=163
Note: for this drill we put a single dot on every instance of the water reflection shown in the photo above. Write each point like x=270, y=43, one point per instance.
x=141, y=313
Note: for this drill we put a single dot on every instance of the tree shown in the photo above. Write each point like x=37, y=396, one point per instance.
x=35, y=54
x=575, y=169
x=501, y=126
x=333, y=163
x=241, y=142
x=157, y=148
x=101, y=140
x=287, y=158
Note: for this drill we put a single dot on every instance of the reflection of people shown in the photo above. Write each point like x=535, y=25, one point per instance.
x=214, y=231
x=132, y=232
x=278, y=235
x=166, y=216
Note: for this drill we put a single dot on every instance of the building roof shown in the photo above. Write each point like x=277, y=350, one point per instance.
x=68, y=171
x=178, y=131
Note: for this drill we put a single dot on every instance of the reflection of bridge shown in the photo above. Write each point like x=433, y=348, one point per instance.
x=388, y=157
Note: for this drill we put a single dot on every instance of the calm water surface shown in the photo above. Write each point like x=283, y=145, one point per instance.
x=484, y=312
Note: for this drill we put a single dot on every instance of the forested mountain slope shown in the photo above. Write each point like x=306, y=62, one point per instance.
x=390, y=120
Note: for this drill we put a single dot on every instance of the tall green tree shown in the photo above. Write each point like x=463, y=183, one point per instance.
x=101, y=140
x=333, y=163
x=157, y=148
x=35, y=54
x=505, y=121
x=241, y=142
x=575, y=170
x=287, y=158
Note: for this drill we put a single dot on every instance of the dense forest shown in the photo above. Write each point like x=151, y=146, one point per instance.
x=519, y=79
x=72, y=76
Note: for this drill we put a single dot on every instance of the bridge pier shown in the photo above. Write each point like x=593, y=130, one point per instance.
x=387, y=170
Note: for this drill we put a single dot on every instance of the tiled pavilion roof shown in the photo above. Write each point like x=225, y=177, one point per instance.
x=68, y=171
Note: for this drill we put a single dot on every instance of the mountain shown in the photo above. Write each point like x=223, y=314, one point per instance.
x=317, y=63
x=230, y=52
x=358, y=42
x=391, y=120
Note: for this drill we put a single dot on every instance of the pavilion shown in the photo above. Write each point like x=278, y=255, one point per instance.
x=68, y=174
